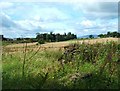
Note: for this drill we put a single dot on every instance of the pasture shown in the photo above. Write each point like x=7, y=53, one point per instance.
x=75, y=64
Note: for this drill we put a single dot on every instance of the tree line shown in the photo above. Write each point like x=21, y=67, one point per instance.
x=110, y=34
x=52, y=37
x=42, y=38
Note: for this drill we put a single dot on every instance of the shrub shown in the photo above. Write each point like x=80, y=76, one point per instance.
x=41, y=41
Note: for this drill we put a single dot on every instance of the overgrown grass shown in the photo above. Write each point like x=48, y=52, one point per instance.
x=5, y=43
x=93, y=67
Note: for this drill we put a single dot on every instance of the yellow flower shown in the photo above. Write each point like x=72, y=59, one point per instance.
x=70, y=62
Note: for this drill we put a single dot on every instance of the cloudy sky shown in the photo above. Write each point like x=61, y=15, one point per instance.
x=81, y=18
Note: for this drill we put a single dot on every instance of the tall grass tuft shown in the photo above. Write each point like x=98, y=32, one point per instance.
x=24, y=60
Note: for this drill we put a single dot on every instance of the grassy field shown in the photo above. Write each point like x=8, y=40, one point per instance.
x=65, y=43
x=88, y=64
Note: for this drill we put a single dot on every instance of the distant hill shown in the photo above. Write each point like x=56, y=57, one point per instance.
x=87, y=36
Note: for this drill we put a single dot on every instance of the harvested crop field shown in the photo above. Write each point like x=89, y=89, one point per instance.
x=62, y=44
x=54, y=45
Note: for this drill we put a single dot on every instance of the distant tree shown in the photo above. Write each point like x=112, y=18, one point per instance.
x=101, y=35
x=91, y=36
x=51, y=37
x=65, y=36
x=41, y=41
x=58, y=37
x=69, y=35
x=33, y=40
x=37, y=33
x=110, y=34
x=115, y=34
x=48, y=37
x=75, y=36
x=18, y=39
x=44, y=36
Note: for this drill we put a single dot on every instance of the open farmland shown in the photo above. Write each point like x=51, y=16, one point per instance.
x=55, y=45
x=59, y=44
x=76, y=64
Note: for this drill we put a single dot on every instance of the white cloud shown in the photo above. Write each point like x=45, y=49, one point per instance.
x=47, y=18
x=12, y=28
x=93, y=10
x=7, y=21
x=25, y=23
x=50, y=14
x=37, y=18
x=87, y=23
x=86, y=30
x=4, y=5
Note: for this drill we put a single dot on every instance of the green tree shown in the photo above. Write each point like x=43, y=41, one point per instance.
x=41, y=41
x=91, y=36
